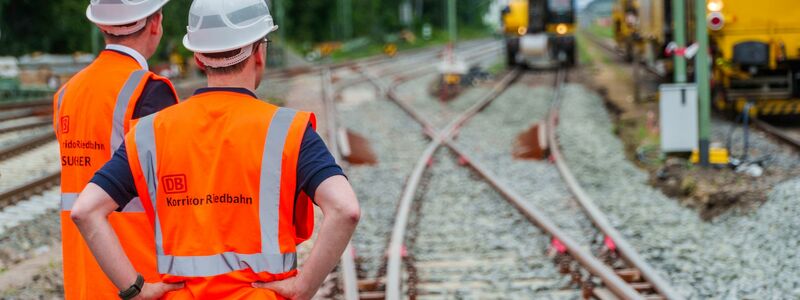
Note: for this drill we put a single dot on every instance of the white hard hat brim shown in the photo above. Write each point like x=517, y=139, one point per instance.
x=94, y=18
x=196, y=49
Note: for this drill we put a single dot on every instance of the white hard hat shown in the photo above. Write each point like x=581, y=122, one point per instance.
x=218, y=26
x=121, y=12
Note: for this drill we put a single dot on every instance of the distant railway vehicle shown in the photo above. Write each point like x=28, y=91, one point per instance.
x=755, y=48
x=540, y=33
x=625, y=18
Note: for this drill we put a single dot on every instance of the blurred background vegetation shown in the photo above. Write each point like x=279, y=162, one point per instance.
x=49, y=26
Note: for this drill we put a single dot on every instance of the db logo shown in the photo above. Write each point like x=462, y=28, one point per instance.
x=64, y=124
x=174, y=184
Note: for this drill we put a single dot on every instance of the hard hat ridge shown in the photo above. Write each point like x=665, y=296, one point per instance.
x=111, y=13
x=219, y=26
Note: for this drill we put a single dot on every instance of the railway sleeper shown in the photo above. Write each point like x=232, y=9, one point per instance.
x=372, y=289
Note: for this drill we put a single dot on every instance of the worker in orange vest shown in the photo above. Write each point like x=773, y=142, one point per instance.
x=92, y=113
x=226, y=179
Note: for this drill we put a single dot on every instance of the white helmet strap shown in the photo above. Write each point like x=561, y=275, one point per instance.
x=244, y=53
x=123, y=30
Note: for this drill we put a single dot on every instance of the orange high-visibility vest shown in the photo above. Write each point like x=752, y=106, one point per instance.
x=217, y=177
x=92, y=113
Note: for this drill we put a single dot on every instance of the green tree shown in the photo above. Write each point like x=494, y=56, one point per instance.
x=61, y=26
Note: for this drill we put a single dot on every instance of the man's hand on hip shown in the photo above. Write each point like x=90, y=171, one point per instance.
x=291, y=288
x=157, y=290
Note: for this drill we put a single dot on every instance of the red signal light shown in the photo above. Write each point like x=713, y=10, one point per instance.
x=715, y=21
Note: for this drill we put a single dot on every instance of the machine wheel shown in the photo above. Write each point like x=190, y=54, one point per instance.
x=512, y=47
x=572, y=57
x=628, y=52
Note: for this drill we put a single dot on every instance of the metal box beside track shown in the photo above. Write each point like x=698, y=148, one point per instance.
x=678, y=117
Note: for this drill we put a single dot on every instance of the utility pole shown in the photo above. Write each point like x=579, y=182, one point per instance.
x=280, y=12
x=451, y=20
x=702, y=76
x=418, y=10
x=346, y=17
x=679, y=19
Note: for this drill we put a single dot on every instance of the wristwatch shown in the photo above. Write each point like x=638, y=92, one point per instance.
x=134, y=290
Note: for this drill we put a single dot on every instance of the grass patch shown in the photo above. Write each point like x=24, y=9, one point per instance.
x=600, y=31
x=497, y=67
x=584, y=56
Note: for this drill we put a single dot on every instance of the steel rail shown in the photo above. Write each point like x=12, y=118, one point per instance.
x=618, y=286
x=26, y=104
x=597, y=217
x=15, y=194
x=16, y=148
x=777, y=132
x=24, y=113
x=592, y=264
x=393, y=271
x=35, y=123
x=613, y=281
x=347, y=265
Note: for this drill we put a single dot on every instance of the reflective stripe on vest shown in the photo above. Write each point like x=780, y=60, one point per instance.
x=68, y=200
x=60, y=99
x=61, y=96
x=270, y=260
x=123, y=99
x=117, y=134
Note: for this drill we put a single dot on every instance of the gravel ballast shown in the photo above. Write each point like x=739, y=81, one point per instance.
x=397, y=142
x=749, y=256
x=471, y=244
x=490, y=137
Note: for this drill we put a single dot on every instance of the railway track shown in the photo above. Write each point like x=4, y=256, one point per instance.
x=29, y=172
x=19, y=113
x=643, y=281
x=440, y=138
x=28, y=152
x=349, y=284
x=788, y=136
x=612, y=49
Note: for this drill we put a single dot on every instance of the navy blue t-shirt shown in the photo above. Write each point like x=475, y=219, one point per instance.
x=315, y=164
x=156, y=95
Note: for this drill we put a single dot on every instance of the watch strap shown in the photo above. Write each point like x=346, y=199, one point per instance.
x=134, y=290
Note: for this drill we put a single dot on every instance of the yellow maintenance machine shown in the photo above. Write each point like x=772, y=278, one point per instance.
x=625, y=16
x=540, y=33
x=755, y=48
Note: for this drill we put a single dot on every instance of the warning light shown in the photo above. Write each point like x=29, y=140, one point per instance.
x=715, y=5
x=561, y=29
x=715, y=21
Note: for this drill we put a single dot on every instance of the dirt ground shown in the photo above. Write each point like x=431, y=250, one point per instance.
x=710, y=191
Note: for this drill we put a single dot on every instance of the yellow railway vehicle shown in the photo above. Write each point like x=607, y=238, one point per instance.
x=756, y=55
x=755, y=48
x=540, y=33
x=625, y=17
